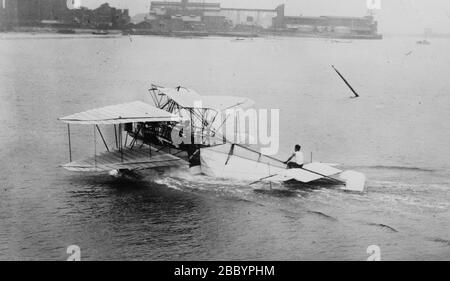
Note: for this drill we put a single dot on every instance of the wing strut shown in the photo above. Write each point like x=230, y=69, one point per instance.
x=133, y=142
x=103, y=139
x=230, y=154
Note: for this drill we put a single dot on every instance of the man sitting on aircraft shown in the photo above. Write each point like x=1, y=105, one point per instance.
x=298, y=159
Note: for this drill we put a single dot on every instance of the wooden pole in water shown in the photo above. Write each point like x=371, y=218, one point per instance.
x=70, y=143
x=95, y=147
x=345, y=81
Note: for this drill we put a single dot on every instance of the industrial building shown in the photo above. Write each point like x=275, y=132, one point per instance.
x=363, y=26
x=185, y=15
x=168, y=16
x=43, y=13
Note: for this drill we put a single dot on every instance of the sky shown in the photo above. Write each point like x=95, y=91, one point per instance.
x=395, y=16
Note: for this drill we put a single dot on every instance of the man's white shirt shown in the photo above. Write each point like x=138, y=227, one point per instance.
x=299, y=158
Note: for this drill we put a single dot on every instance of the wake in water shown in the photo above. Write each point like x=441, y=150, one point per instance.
x=290, y=197
x=380, y=209
x=383, y=226
x=381, y=194
x=444, y=242
x=401, y=168
x=307, y=211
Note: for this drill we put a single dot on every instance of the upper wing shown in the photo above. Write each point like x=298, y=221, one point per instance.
x=121, y=113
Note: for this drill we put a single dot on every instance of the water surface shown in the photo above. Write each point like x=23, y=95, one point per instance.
x=397, y=133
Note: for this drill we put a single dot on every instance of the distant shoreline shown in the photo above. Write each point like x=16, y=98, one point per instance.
x=52, y=30
x=184, y=34
x=437, y=35
x=146, y=32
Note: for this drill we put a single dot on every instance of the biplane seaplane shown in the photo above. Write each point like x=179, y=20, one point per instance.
x=182, y=130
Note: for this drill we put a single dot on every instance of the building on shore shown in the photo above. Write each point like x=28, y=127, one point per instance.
x=341, y=26
x=59, y=13
x=167, y=16
x=104, y=17
x=8, y=14
x=185, y=15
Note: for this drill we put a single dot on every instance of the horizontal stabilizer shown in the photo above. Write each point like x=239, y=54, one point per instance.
x=136, y=159
x=294, y=174
x=321, y=168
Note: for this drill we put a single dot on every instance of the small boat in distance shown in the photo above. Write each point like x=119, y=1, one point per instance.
x=423, y=42
x=66, y=31
x=341, y=41
x=100, y=32
x=426, y=34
